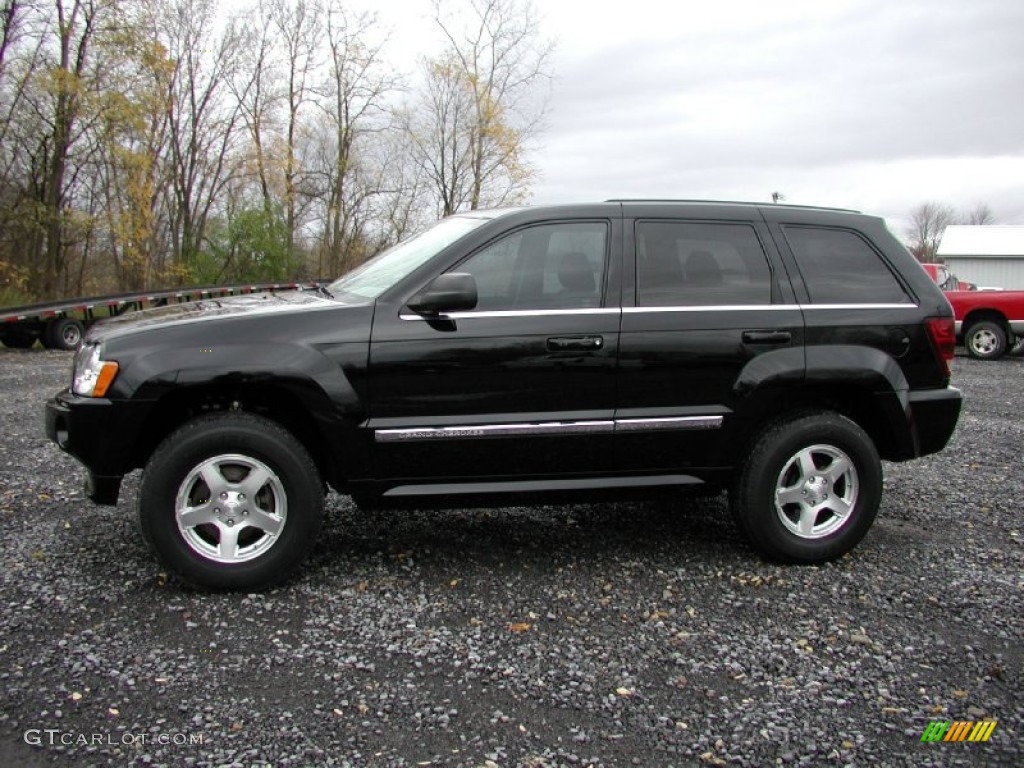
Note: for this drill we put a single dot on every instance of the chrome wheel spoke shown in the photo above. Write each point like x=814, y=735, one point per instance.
x=838, y=506
x=806, y=461
x=211, y=474
x=255, y=480
x=808, y=517
x=190, y=517
x=265, y=521
x=227, y=548
x=837, y=470
x=789, y=496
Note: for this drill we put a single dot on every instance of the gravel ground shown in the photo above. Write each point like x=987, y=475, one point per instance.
x=604, y=635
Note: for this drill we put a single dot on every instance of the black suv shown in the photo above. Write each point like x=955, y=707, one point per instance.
x=776, y=351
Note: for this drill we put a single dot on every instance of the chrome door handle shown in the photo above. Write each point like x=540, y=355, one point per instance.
x=575, y=343
x=767, y=337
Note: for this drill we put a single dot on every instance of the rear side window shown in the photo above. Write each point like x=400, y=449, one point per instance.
x=839, y=267
x=699, y=264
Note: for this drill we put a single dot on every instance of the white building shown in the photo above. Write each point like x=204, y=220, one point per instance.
x=988, y=255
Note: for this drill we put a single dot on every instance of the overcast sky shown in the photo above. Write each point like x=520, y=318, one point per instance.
x=877, y=105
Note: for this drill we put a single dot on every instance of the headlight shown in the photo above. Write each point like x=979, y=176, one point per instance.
x=91, y=375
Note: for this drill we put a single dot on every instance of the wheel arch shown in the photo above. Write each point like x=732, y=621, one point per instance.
x=297, y=405
x=983, y=314
x=861, y=383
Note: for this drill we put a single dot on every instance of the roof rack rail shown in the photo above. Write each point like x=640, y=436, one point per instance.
x=731, y=202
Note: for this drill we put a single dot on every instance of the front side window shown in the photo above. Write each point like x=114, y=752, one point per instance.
x=839, y=267
x=548, y=266
x=700, y=264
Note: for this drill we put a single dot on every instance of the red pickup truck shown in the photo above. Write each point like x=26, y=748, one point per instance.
x=988, y=322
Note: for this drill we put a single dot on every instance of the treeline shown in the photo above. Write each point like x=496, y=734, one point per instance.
x=151, y=142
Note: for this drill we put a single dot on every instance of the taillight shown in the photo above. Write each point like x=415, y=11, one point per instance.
x=942, y=331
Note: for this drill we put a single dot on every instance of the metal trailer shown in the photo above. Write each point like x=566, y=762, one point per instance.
x=62, y=324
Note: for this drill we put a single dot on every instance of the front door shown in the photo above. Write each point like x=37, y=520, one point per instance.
x=522, y=385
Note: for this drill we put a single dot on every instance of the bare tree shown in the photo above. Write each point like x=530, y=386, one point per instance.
x=979, y=214
x=10, y=17
x=300, y=27
x=354, y=103
x=258, y=92
x=482, y=105
x=203, y=124
x=928, y=223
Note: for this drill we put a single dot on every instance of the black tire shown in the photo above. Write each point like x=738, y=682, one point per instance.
x=985, y=340
x=273, y=528
x=18, y=339
x=797, y=516
x=63, y=333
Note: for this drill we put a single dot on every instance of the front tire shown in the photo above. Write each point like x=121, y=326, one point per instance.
x=985, y=340
x=810, y=489
x=231, y=501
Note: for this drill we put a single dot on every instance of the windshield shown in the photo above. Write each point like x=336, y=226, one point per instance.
x=370, y=280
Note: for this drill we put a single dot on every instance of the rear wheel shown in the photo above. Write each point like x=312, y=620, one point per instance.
x=63, y=333
x=231, y=501
x=985, y=340
x=810, y=490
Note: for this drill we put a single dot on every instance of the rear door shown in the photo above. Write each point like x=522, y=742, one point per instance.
x=709, y=317
x=523, y=385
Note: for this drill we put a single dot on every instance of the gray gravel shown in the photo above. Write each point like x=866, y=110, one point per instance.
x=605, y=635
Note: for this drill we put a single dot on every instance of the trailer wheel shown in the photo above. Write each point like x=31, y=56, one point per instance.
x=63, y=333
x=19, y=339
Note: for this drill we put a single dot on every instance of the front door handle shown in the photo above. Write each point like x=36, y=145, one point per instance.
x=575, y=343
x=767, y=337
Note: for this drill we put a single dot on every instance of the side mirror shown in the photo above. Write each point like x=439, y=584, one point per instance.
x=451, y=292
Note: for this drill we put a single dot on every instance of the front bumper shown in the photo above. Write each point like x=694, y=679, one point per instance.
x=934, y=413
x=101, y=434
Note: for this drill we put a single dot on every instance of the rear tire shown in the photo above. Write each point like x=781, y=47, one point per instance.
x=231, y=501
x=985, y=340
x=18, y=339
x=63, y=333
x=810, y=489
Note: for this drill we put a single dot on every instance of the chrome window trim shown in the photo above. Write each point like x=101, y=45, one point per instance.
x=500, y=313
x=514, y=313
x=713, y=308
x=860, y=306
x=762, y=307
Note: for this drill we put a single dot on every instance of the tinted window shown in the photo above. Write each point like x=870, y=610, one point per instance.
x=839, y=267
x=556, y=266
x=689, y=264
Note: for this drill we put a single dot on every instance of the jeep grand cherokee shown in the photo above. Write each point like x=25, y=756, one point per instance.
x=778, y=352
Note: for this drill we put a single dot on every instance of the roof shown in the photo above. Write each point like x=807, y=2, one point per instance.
x=983, y=240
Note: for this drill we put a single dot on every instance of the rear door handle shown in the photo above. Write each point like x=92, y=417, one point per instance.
x=767, y=337
x=575, y=343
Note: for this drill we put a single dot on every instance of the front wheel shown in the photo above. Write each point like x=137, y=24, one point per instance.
x=985, y=340
x=231, y=501
x=810, y=489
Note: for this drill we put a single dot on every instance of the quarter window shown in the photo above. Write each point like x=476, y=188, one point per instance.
x=839, y=267
x=550, y=266
x=700, y=264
